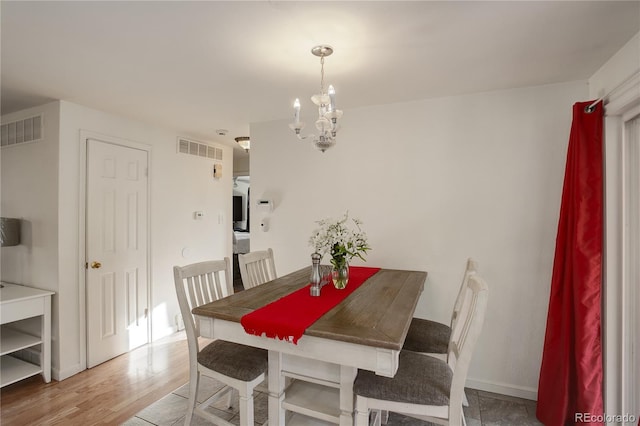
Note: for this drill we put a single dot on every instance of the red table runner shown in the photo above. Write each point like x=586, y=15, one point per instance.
x=288, y=317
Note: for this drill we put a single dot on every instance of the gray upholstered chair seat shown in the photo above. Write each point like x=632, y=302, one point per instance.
x=231, y=359
x=427, y=337
x=420, y=380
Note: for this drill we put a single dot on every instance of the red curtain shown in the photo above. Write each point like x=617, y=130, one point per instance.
x=570, y=385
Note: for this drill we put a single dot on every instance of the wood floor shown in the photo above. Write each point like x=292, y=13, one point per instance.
x=108, y=394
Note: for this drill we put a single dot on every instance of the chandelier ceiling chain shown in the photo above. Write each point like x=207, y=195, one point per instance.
x=322, y=74
x=328, y=115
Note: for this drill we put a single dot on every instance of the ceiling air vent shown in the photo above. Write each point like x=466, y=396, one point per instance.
x=199, y=149
x=21, y=131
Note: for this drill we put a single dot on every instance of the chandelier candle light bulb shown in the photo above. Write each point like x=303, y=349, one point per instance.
x=296, y=111
x=332, y=98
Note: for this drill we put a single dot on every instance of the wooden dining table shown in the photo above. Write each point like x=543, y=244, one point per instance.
x=312, y=381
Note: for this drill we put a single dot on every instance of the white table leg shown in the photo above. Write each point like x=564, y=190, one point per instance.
x=276, y=389
x=45, y=359
x=347, y=376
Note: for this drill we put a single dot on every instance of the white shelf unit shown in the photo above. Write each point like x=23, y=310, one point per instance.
x=313, y=400
x=296, y=419
x=13, y=340
x=14, y=369
x=18, y=303
x=312, y=396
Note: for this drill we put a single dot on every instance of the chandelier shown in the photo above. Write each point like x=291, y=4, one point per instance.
x=328, y=115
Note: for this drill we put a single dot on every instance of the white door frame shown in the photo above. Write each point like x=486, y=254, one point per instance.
x=620, y=330
x=82, y=232
x=630, y=268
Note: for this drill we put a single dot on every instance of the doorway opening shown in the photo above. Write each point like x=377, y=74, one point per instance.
x=241, y=224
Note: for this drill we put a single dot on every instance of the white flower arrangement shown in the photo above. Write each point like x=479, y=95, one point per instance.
x=334, y=236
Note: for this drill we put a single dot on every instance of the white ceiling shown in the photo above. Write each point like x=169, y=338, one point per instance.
x=200, y=66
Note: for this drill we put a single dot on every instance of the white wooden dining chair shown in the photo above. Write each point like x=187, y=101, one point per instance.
x=237, y=366
x=257, y=267
x=426, y=387
x=432, y=337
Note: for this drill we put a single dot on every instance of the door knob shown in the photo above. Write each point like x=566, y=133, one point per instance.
x=95, y=265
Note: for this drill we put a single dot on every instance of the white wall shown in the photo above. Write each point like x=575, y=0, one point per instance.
x=617, y=69
x=241, y=164
x=30, y=192
x=437, y=181
x=41, y=183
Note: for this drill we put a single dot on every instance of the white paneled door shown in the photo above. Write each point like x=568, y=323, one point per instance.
x=116, y=249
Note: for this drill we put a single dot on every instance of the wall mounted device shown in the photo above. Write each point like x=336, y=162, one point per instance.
x=265, y=205
x=217, y=171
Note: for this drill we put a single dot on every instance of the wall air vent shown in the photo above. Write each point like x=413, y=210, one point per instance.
x=21, y=131
x=199, y=149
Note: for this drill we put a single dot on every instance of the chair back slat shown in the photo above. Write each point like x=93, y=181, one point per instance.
x=204, y=287
x=215, y=288
x=472, y=268
x=257, y=268
x=463, y=339
x=258, y=271
x=200, y=299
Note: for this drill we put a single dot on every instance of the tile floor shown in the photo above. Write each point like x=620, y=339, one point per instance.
x=485, y=409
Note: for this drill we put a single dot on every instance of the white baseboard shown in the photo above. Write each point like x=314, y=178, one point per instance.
x=503, y=388
x=59, y=375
